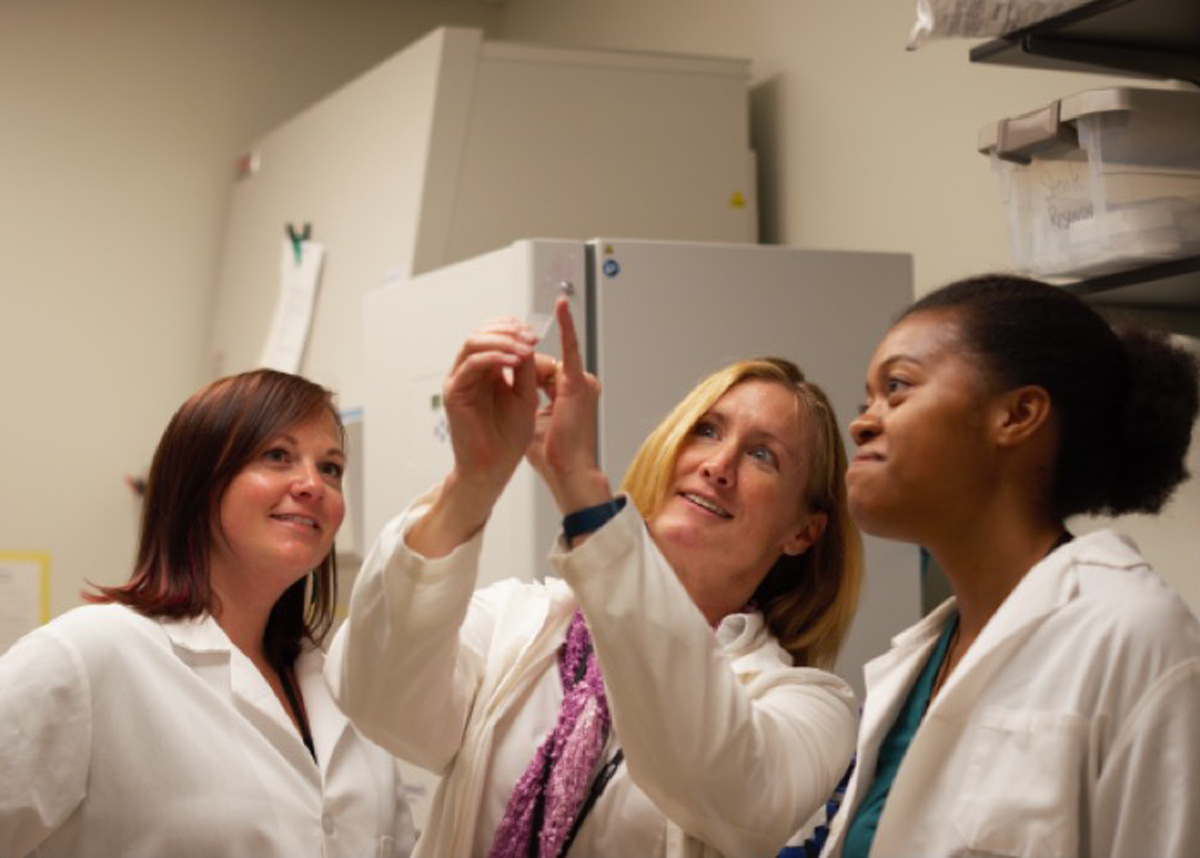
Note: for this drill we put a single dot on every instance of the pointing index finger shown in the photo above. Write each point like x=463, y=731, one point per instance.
x=571, y=358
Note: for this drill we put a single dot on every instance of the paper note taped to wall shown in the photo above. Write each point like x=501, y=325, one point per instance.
x=299, y=274
x=24, y=594
x=981, y=18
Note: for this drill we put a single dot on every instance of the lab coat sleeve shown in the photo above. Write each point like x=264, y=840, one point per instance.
x=737, y=764
x=1146, y=793
x=45, y=739
x=407, y=662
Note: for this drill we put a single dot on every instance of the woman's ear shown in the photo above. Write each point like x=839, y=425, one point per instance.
x=808, y=533
x=1023, y=412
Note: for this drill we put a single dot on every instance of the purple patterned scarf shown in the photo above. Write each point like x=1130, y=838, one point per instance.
x=549, y=796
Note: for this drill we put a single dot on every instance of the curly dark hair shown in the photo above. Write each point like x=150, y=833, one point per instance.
x=1125, y=398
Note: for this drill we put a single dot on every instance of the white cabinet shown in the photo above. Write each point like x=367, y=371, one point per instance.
x=458, y=145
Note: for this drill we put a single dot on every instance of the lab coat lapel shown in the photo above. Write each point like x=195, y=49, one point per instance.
x=1045, y=589
x=888, y=680
x=536, y=633
x=202, y=644
x=531, y=636
x=1048, y=586
x=254, y=697
x=890, y=676
x=325, y=720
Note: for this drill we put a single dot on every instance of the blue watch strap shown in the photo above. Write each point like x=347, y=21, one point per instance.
x=591, y=518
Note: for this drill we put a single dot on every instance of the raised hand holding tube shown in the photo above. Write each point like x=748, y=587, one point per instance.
x=563, y=449
x=490, y=397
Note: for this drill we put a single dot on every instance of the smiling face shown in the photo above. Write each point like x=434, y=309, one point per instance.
x=736, y=498
x=923, y=460
x=279, y=515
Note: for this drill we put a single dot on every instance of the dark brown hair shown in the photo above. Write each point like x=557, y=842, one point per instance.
x=208, y=441
x=1125, y=398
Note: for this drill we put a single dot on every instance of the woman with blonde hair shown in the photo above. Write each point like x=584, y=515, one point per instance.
x=807, y=600
x=665, y=696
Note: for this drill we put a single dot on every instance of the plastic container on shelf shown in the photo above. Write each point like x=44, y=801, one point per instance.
x=1102, y=181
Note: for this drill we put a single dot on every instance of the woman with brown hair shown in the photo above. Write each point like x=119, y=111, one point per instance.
x=668, y=695
x=185, y=712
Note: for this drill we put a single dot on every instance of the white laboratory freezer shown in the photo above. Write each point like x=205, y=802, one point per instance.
x=655, y=318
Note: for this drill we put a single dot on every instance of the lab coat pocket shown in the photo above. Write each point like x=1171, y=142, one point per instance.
x=1023, y=787
x=387, y=847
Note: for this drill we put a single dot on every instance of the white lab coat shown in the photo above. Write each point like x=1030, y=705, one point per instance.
x=733, y=746
x=1070, y=727
x=126, y=736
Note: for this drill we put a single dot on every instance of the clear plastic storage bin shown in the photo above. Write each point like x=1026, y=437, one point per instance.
x=1101, y=181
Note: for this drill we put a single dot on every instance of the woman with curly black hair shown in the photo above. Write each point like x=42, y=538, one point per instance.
x=1050, y=707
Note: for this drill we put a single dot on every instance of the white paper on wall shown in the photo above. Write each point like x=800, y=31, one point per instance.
x=22, y=581
x=299, y=274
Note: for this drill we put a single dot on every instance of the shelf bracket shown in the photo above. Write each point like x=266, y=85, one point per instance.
x=1156, y=63
x=1031, y=50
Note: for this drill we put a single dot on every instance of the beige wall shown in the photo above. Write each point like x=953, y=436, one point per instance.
x=119, y=123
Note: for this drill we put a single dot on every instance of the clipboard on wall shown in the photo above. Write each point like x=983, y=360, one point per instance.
x=24, y=594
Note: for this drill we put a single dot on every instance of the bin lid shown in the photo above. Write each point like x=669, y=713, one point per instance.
x=1049, y=132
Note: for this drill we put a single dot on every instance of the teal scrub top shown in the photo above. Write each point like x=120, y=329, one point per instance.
x=860, y=833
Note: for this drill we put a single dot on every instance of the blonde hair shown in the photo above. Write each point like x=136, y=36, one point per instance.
x=808, y=600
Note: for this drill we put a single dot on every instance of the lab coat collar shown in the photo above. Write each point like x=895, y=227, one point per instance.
x=887, y=675
x=201, y=635
x=888, y=678
x=1048, y=586
x=203, y=645
x=736, y=632
x=745, y=639
x=924, y=630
